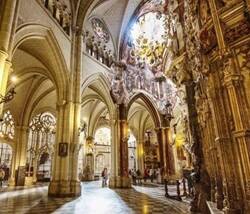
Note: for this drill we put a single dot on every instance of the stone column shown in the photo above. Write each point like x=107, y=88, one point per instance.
x=115, y=162
x=20, y=151
x=162, y=152
x=36, y=156
x=74, y=151
x=3, y=80
x=6, y=25
x=140, y=155
x=233, y=82
x=119, y=149
x=123, y=133
x=64, y=182
x=4, y=75
x=170, y=169
x=201, y=177
x=224, y=146
x=216, y=180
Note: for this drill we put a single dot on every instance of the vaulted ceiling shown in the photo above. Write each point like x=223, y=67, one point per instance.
x=115, y=13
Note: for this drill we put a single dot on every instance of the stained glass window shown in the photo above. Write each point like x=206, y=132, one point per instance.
x=103, y=136
x=5, y=155
x=40, y=145
x=7, y=126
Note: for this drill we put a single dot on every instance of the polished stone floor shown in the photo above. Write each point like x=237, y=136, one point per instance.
x=94, y=200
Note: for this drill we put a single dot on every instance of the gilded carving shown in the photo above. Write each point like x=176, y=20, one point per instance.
x=234, y=33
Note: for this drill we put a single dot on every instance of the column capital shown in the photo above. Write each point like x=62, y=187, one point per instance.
x=158, y=129
x=241, y=133
x=61, y=103
x=3, y=55
x=23, y=128
x=9, y=64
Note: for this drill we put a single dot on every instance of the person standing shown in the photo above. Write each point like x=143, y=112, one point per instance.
x=151, y=174
x=145, y=175
x=2, y=175
x=104, y=177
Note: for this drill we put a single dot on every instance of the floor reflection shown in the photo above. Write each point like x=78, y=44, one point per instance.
x=94, y=200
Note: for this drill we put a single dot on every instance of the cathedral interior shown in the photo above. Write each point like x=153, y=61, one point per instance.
x=125, y=106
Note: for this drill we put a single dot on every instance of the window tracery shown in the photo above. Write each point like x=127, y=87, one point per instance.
x=103, y=136
x=5, y=155
x=132, y=151
x=7, y=126
x=102, y=149
x=41, y=144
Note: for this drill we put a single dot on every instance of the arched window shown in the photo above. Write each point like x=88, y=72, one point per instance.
x=7, y=126
x=41, y=145
x=102, y=150
x=132, y=152
x=5, y=155
x=99, y=163
x=103, y=136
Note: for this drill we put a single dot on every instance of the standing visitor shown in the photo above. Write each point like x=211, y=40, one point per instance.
x=104, y=177
x=158, y=175
x=145, y=175
x=151, y=174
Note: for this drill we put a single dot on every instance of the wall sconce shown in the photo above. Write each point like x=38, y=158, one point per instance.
x=10, y=94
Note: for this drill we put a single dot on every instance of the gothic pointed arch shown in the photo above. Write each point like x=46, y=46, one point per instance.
x=99, y=83
x=152, y=109
x=54, y=60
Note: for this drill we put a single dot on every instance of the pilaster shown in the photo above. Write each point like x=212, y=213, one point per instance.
x=233, y=82
x=162, y=151
x=124, y=179
x=20, y=151
x=3, y=73
x=224, y=146
x=217, y=26
x=63, y=183
x=114, y=150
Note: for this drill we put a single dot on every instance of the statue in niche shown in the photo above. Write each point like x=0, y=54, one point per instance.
x=172, y=5
x=228, y=67
x=179, y=31
x=95, y=50
x=204, y=11
x=105, y=56
x=66, y=20
x=111, y=58
x=89, y=43
x=99, y=52
x=131, y=56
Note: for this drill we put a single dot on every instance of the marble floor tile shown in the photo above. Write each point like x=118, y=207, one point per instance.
x=94, y=200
